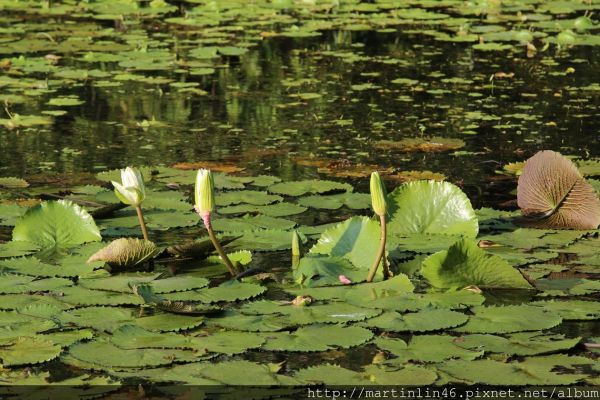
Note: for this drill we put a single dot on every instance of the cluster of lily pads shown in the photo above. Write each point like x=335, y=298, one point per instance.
x=162, y=309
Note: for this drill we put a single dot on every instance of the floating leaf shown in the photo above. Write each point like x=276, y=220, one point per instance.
x=465, y=264
x=16, y=248
x=281, y=209
x=426, y=348
x=126, y=252
x=318, y=338
x=56, y=224
x=28, y=350
x=264, y=240
x=420, y=321
x=247, y=196
x=250, y=223
x=509, y=374
x=552, y=192
x=226, y=291
x=431, y=207
x=354, y=201
x=337, y=312
x=100, y=318
x=299, y=188
x=522, y=344
x=508, y=319
x=102, y=353
x=571, y=310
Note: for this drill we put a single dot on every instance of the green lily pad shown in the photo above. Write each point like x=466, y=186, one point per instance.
x=498, y=373
x=227, y=291
x=426, y=348
x=431, y=207
x=16, y=248
x=356, y=239
x=28, y=350
x=317, y=338
x=571, y=310
x=465, y=264
x=250, y=223
x=522, y=344
x=254, y=197
x=420, y=321
x=354, y=201
x=299, y=188
x=281, y=209
x=337, y=312
x=508, y=319
x=56, y=224
x=104, y=354
x=263, y=240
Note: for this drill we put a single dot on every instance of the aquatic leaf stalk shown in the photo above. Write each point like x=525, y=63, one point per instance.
x=379, y=204
x=205, y=205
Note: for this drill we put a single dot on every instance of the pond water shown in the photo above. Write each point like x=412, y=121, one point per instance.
x=295, y=90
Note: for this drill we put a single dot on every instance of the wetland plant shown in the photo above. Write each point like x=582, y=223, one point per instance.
x=379, y=204
x=132, y=191
x=204, y=206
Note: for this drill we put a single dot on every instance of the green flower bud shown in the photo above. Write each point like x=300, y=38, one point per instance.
x=296, y=244
x=131, y=190
x=205, y=192
x=378, y=195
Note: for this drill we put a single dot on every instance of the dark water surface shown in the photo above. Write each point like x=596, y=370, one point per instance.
x=248, y=114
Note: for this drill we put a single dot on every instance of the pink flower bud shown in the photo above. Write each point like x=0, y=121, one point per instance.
x=344, y=280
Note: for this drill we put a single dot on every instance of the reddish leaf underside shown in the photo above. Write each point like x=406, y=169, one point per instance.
x=552, y=194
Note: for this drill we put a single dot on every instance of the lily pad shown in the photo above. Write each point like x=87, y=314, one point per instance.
x=431, y=207
x=508, y=319
x=421, y=321
x=56, y=224
x=465, y=264
x=317, y=338
x=299, y=188
x=356, y=240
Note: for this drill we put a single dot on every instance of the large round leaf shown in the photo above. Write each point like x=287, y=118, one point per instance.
x=356, y=239
x=431, y=207
x=465, y=264
x=553, y=192
x=56, y=224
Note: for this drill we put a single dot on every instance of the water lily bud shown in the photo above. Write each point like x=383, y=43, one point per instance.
x=344, y=280
x=131, y=190
x=378, y=195
x=295, y=244
x=205, y=192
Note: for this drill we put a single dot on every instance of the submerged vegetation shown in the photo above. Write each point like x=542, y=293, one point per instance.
x=278, y=262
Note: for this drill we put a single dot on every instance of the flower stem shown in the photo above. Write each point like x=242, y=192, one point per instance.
x=211, y=234
x=380, y=253
x=142, y=222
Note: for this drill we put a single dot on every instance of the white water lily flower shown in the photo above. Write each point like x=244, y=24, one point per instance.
x=205, y=192
x=132, y=190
